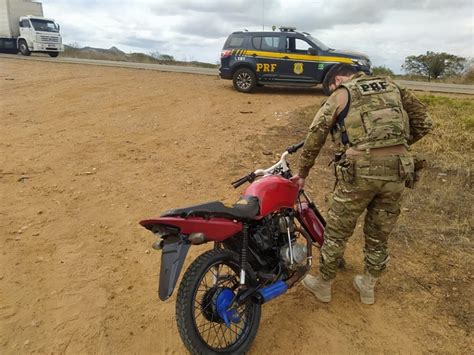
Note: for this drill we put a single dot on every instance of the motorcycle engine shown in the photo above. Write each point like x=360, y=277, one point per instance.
x=299, y=251
x=291, y=252
x=263, y=238
x=272, y=239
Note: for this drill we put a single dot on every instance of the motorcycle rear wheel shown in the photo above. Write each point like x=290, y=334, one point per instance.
x=202, y=330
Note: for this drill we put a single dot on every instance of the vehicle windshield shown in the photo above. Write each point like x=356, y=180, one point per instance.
x=44, y=25
x=317, y=42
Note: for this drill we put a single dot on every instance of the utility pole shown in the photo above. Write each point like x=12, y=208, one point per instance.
x=263, y=15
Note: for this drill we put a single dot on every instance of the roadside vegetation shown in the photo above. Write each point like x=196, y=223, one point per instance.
x=432, y=246
x=383, y=70
x=465, y=78
x=435, y=67
x=115, y=54
x=436, y=226
x=441, y=209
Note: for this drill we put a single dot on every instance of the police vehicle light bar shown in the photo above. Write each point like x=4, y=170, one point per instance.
x=287, y=29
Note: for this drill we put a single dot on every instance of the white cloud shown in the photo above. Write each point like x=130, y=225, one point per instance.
x=387, y=31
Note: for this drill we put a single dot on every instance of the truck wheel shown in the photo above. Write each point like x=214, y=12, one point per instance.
x=53, y=54
x=244, y=80
x=24, y=48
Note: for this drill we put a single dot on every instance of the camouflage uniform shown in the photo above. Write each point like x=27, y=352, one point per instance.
x=381, y=120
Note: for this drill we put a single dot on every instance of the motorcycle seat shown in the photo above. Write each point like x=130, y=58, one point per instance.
x=246, y=208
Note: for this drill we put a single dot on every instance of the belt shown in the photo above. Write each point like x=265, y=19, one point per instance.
x=378, y=152
x=380, y=168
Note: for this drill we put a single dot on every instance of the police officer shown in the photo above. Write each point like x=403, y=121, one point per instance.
x=373, y=121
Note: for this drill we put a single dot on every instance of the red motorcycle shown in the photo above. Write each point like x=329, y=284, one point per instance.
x=262, y=247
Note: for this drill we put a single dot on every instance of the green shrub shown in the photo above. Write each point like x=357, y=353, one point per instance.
x=382, y=70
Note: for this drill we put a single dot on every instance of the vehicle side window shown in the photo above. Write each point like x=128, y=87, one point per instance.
x=257, y=42
x=25, y=23
x=235, y=42
x=268, y=43
x=301, y=46
x=297, y=45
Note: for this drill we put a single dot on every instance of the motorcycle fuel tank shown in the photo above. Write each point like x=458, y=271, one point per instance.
x=273, y=192
x=311, y=222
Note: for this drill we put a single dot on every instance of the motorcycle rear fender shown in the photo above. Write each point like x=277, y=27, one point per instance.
x=173, y=254
x=175, y=232
x=215, y=229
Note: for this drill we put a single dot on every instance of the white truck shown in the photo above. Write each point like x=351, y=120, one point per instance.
x=23, y=28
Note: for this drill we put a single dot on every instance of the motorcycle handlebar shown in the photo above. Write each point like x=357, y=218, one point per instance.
x=281, y=164
x=295, y=147
x=239, y=182
x=249, y=178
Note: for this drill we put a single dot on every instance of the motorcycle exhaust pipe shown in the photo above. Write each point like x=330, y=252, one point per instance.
x=270, y=292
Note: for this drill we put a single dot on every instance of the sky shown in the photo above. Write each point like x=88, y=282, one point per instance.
x=386, y=30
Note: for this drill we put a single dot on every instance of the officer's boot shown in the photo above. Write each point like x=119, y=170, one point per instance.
x=365, y=284
x=319, y=287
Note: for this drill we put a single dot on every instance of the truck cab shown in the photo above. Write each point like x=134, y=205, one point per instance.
x=24, y=28
x=39, y=34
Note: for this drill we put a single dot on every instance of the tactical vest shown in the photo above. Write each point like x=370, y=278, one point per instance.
x=375, y=117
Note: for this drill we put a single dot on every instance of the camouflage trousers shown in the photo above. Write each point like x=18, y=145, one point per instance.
x=372, y=185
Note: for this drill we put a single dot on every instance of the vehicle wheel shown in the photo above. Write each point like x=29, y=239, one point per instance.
x=24, y=48
x=244, y=80
x=211, y=276
x=53, y=54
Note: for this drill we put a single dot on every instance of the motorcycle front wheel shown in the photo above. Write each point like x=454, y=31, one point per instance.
x=211, y=279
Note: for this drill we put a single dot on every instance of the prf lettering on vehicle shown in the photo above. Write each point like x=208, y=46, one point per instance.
x=266, y=68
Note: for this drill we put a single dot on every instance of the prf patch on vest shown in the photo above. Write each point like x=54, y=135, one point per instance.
x=376, y=86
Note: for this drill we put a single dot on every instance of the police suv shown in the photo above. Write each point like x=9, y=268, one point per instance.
x=287, y=57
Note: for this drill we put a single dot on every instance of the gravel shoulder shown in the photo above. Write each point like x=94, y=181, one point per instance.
x=88, y=151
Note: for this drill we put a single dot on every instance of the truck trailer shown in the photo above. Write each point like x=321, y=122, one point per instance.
x=24, y=28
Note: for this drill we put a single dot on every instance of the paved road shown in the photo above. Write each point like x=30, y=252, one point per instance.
x=438, y=87
x=415, y=85
x=111, y=63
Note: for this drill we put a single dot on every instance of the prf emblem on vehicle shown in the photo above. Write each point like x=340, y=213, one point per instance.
x=298, y=68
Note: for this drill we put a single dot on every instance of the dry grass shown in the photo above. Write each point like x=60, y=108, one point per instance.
x=433, y=240
x=466, y=78
x=450, y=146
x=435, y=230
x=432, y=243
x=441, y=204
x=445, y=193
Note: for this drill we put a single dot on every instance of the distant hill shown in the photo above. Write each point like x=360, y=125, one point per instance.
x=115, y=54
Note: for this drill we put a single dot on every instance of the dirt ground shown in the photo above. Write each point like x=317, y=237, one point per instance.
x=86, y=152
